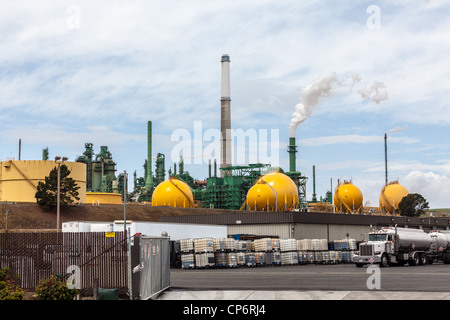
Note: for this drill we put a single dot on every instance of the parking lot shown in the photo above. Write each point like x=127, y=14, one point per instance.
x=427, y=278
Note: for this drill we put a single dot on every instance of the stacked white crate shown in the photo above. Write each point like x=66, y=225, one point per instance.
x=289, y=253
x=244, y=255
x=187, y=261
x=204, y=252
x=264, y=251
x=319, y=246
x=187, y=253
x=187, y=245
x=263, y=245
x=304, y=251
x=250, y=259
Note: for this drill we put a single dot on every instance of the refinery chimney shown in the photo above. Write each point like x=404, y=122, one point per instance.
x=149, y=177
x=292, y=150
x=225, y=118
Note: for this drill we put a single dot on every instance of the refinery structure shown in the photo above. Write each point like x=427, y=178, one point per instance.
x=252, y=187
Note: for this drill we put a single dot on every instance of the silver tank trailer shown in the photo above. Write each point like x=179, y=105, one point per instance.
x=413, y=239
x=441, y=241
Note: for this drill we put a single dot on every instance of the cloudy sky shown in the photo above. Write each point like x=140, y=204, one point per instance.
x=96, y=71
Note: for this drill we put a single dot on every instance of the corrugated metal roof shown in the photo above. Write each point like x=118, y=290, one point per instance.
x=246, y=217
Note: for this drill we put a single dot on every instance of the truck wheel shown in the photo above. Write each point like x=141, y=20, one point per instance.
x=384, y=260
x=423, y=258
x=446, y=258
x=414, y=261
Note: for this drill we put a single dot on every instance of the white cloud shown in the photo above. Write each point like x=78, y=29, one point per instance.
x=435, y=188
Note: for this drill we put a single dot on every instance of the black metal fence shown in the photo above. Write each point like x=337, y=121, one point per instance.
x=85, y=259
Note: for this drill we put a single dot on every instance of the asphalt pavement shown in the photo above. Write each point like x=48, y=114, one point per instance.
x=311, y=282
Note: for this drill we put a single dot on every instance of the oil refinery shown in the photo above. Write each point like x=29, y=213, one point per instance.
x=252, y=187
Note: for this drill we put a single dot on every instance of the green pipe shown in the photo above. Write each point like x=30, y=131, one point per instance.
x=292, y=150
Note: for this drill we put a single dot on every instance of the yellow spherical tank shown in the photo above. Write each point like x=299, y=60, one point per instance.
x=173, y=193
x=283, y=192
x=261, y=197
x=348, y=198
x=391, y=195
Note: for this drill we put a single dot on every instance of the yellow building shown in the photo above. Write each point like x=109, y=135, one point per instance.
x=19, y=178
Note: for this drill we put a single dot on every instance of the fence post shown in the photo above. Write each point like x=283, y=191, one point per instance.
x=95, y=288
x=130, y=270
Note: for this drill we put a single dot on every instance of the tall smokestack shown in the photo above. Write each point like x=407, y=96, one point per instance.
x=225, y=120
x=149, y=177
x=385, y=159
x=292, y=150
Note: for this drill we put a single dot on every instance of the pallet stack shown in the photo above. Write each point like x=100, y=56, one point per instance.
x=204, y=252
x=243, y=250
x=267, y=251
x=289, y=252
x=187, y=254
x=229, y=252
x=346, y=248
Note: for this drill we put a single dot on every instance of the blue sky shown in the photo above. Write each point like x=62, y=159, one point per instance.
x=96, y=71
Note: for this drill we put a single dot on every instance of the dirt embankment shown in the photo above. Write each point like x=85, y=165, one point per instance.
x=30, y=216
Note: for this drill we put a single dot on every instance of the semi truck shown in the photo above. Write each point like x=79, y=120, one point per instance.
x=403, y=246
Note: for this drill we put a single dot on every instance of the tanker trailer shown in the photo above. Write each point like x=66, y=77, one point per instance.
x=440, y=247
x=394, y=245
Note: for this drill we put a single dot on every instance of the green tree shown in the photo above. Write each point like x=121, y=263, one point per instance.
x=412, y=205
x=46, y=195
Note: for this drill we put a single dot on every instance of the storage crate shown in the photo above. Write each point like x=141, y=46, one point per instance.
x=250, y=259
x=203, y=245
x=262, y=245
x=288, y=245
x=310, y=257
x=203, y=260
x=220, y=259
x=289, y=258
x=187, y=261
x=304, y=245
x=302, y=257
x=319, y=244
x=187, y=245
x=230, y=244
x=260, y=258
x=276, y=244
x=244, y=245
x=219, y=244
x=231, y=259
x=240, y=258
x=333, y=256
x=276, y=260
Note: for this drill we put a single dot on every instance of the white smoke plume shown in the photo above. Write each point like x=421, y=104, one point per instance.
x=376, y=92
x=323, y=87
x=397, y=129
x=311, y=94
